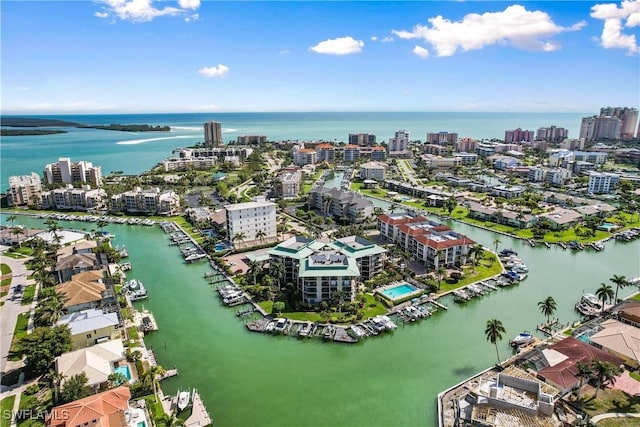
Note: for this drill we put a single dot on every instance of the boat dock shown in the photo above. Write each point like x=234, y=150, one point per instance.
x=168, y=374
x=199, y=415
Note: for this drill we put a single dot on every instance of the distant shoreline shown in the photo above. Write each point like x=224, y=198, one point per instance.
x=30, y=132
x=33, y=122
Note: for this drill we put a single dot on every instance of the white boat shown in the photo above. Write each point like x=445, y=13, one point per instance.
x=183, y=400
x=523, y=338
x=591, y=300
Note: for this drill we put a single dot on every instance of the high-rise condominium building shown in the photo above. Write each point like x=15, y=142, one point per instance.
x=399, y=142
x=212, y=133
x=23, y=188
x=362, y=139
x=67, y=172
x=602, y=182
x=552, y=134
x=442, y=137
x=251, y=223
x=629, y=117
x=518, y=135
x=603, y=127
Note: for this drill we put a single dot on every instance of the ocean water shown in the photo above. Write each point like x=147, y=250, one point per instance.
x=134, y=153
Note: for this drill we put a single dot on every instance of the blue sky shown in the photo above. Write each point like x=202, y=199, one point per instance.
x=206, y=56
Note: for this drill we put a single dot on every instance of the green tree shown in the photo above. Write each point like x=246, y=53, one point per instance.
x=493, y=332
x=440, y=274
x=277, y=270
x=260, y=235
x=170, y=420
x=11, y=219
x=584, y=374
x=620, y=282
x=151, y=376
x=116, y=379
x=496, y=242
x=548, y=306
x=604, y=373
x=278, y=307
x=43, y=345
x=604, y=294
x=74, y=388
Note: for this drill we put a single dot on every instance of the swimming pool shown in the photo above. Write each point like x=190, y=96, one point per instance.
x=607, y=226
x=141, y=424
x=124, y=370
x=400, y=291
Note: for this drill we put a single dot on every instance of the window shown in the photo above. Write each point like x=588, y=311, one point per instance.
x=88, y=335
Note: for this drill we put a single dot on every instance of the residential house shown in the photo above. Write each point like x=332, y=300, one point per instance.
x=106, y=409
x=91, y=326
x=76, y=258
x=619, y=339
x=97, y=362
x=341, y=204
x=561, y=218
x=84, y=290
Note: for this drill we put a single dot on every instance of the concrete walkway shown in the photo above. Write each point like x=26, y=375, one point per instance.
x=613, y=415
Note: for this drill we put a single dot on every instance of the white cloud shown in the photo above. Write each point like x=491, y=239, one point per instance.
x=143, y=10
x=284, y=52
x=387, y=39
x=421, y=52
x=612, y=36
x=515, y=26
x=374, y=38
x=194, y=17
x=219, y=71
x=339, y=46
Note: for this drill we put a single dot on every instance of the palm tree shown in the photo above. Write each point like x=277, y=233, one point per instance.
x=496, y=242
x=604, y=294
x=17, y=231
x=620, y=282
x=56, y=379
x=437, y=257
x=260, y=235
x=253, y=269
x=493, y=331
x=584, y=373
x=604, y=373
x=151, y=377
x=172, y=420
x=11, y=218
x=278, y=270
x=548, y=307
x=440, y=273
x=238, y=236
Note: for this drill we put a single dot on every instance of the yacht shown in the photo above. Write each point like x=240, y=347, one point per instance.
x=523, y=338
x=183, y=400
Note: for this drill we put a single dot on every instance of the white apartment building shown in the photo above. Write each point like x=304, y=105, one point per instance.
x=288, y=183
x=150, y=201
x=67, y=172
x=604, y=127
x=181, y=164
x=70, y=198
x=399, y=143
x=251, y=223
x=466, y=158
x=602, y=182
x=535, y=174
x=373, y=170
x=23, y=187
x=351, y=153
x=304, y=156
x=557, y=176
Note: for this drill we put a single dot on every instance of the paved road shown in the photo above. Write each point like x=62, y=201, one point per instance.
x=12, y=306
x=408, y=171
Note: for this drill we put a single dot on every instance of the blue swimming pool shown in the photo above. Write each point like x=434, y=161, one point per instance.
x=400, y=291
x=124, y=370
x=141, y=424
x=607, y=226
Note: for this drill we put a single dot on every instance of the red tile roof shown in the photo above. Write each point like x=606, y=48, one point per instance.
x=324, y=147
x=388, y=219
x=103, y=409
x=428, y=241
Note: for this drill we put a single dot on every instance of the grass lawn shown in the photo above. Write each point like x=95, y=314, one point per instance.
x=132, y=333
x=29, y=293
x=186, y=226
x=618, y=422
x=5, y=269
x=32, y=402
x=373, y=307
x=487, y=267
x=19, y=331
x=5, y=282
x=609, y=400
x=13, y=255
x=6, y=409
x=636, y=297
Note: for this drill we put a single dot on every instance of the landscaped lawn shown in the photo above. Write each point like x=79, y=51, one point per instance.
x=5, y=269
x=487, y=267
x=28, y=294
x=5, y=282
x=618, y=422
x=6, y=410
x=609, y=400
x=19, y=331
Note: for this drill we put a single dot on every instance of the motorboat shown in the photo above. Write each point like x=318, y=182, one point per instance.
x=183, y=400
x=304, y=330
x=281, y=323
x=523, y=338
x=591, y=300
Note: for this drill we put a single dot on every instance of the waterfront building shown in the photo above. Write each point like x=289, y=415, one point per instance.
x=597, y=157
x=438, y=162
x=151, y=201
x=561, y=218
x=304, y=156
x=76, y=258
x=251, y=139
x=431, y=243
x=378, y=153
x=325, y=152
x=70, y=198
x=106, y=409
x=373, y=170
x=251, y=223
x=212, y=133
x=507, y=191
x=341, y=204
x=629, y=117
x=602, y=182
x=287, y=183
x=518, y=135
x=84, y=291
x=413, y=190
x=500, y=216
x=64, y=171
x=97, y=362
x=189, y=163
x=24, y=188
x=90, y=327
x=362, y=139
x=619, y=339
x=220, y=153
x=351, y=153
x=523, y=395
x=466, y=145
x=442, y=137
x=466, y=158
x=398, y=144
x=600, y=127
x=320, y=269
x=552, y=134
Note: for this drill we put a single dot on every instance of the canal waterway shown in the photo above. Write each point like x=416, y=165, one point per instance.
x=247, y=379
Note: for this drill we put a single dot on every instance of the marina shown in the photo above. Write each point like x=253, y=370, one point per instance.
x=230, y=366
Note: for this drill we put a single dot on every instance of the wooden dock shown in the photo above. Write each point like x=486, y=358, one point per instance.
x=168, y=374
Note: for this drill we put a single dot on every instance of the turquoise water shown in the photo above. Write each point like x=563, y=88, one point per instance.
x=124, y=370
x=134, y=153
x=607, y=226
x=234, y=369
x=141, y=424
x=399, y=291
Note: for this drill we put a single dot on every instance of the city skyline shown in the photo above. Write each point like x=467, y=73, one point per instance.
x=145, y=56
